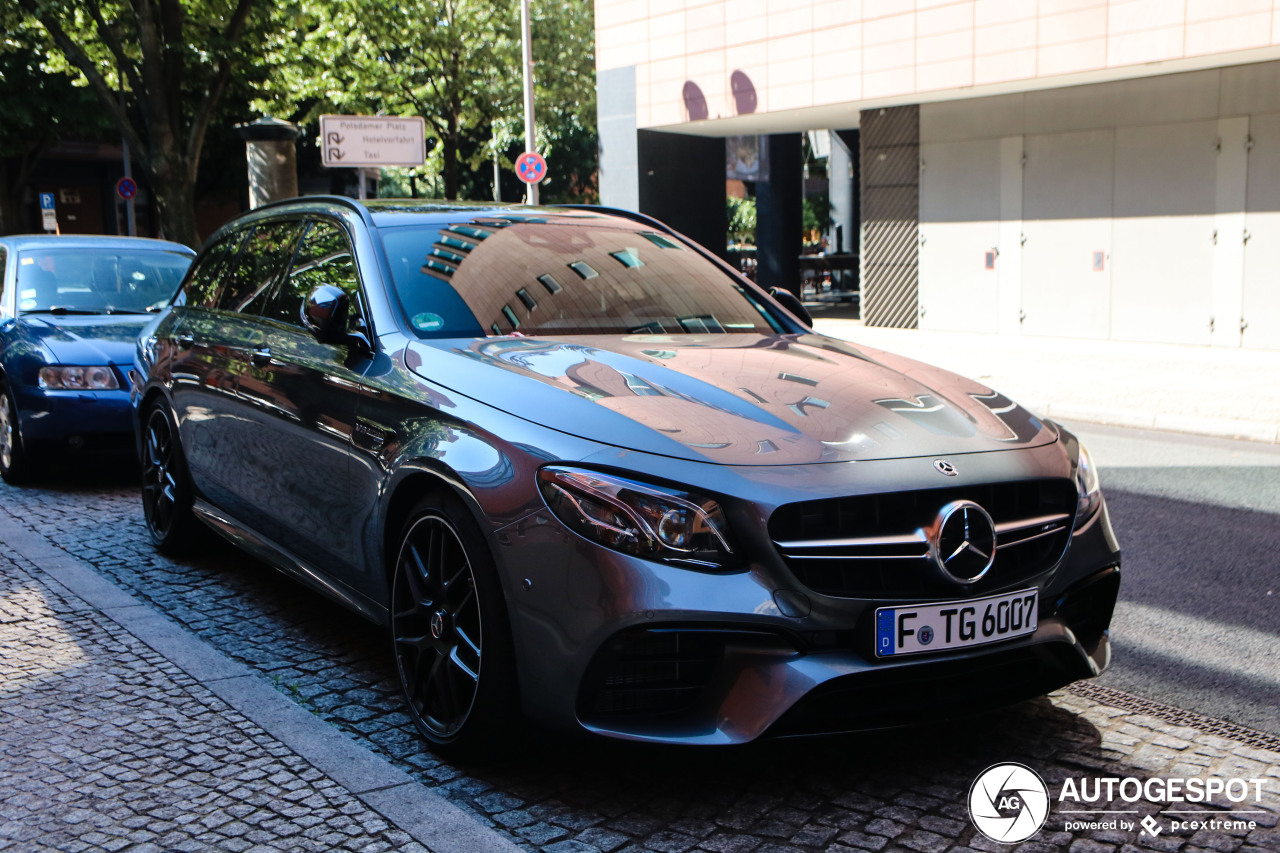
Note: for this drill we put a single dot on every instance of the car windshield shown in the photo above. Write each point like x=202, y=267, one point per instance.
x=108, y=280
x=548, y=275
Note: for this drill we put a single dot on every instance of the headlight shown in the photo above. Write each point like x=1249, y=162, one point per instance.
x=1088, y=489
x=647, y=521
x=68, y=378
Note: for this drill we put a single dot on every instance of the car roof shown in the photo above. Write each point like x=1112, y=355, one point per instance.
x=391, y=213
x=19, y=242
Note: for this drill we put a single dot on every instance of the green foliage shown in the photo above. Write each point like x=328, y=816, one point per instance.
x=742, y=219
x=816, y=213
x=456, y=63
x=160, y=69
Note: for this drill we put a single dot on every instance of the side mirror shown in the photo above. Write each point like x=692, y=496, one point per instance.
x=792, y=303
x=325, y=313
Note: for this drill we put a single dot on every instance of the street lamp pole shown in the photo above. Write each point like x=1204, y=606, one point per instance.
x=530, y=142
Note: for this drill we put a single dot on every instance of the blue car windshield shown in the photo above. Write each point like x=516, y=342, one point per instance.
x=512, y=275
x=108, y=280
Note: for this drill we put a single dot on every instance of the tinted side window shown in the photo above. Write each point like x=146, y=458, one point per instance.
x=324, y=257
x=263, y=258
x=205, y=281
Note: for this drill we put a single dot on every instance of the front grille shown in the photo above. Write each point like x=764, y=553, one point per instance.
x=650, y=673
x=874, y=546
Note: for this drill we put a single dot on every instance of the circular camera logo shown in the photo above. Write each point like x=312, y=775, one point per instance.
x=1009, y=803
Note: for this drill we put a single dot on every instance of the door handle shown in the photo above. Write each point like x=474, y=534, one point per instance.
x=186, y=341
x=260, y=356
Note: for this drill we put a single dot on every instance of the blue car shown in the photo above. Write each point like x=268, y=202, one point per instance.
x=70, y=312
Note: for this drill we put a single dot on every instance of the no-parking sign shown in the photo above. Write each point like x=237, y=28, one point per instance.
x=531, y=167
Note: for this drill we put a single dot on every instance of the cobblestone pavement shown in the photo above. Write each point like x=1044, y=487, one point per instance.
x=106, y=745
x=888, y=792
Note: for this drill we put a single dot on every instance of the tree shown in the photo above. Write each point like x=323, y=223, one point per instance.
x=40, y=108
x=456, y=63
x=159, y=68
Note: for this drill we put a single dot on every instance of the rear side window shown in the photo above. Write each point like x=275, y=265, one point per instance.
x=324, y=257
x=263, y=258
x=204, y=284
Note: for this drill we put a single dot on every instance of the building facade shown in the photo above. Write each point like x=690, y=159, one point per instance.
x=1083, y=168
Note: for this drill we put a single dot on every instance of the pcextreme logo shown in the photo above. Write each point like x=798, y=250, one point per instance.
x=1010, y=802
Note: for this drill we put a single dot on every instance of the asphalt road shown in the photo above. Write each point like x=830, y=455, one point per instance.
x=1198, y=625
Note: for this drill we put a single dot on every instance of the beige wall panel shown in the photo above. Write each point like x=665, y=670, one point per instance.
x=1251, y=89
x=1071, y=58
x=1145, y=46
x=888, y=84
x=1260, y=306
x=886, y=8
x=1079, y=25
x=1228, y=34
x=975, y=119
x=1067, y=190
x=1162, y=258
x=950, y=17
x=1001, y=67
x=1002, y=38
x=959, y=223
x=987, y=12
x=944, y=75
x=1149, y=100
x=1133, y=16
x=1229, y=221
x=1204, y=10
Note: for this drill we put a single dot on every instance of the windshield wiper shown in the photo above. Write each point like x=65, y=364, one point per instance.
x=63, y=309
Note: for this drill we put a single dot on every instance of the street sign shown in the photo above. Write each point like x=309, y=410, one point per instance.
x=46, y=201
x=126, y=188
x=355, y=141
x=49, y=220
x=531, y=167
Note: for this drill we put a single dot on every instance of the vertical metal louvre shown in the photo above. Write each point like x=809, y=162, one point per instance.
x=890, y=174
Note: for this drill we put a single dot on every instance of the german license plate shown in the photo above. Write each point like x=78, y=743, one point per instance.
x=914, y=629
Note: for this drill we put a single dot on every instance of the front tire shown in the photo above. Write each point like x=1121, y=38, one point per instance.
x=450, y=635
x=166, y=485
x=16, y=465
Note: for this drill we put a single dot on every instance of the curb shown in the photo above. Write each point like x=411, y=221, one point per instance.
x=427, y=817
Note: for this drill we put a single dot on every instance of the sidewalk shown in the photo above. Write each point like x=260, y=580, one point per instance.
x=1215, y=391
x=119, y=729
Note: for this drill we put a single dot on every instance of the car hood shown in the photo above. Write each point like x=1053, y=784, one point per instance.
x=86, y=339
x=738, y=399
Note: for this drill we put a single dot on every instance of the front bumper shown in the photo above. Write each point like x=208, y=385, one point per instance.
x=75, y=421
x=640, y=650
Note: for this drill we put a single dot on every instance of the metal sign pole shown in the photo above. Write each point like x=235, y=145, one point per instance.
x=530, y=142
x=128, y=168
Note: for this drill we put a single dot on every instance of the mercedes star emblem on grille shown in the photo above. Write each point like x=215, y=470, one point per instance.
x=945, y=467
x=964, y=541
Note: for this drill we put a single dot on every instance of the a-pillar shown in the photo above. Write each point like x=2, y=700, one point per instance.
x=779, y=214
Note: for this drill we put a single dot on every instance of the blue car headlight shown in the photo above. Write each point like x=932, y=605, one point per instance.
x=654, y=522
x=63, y=377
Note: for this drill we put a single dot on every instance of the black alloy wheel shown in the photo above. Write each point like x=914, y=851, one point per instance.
x=16, y=466
x=166, y=488
x=450, y=635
